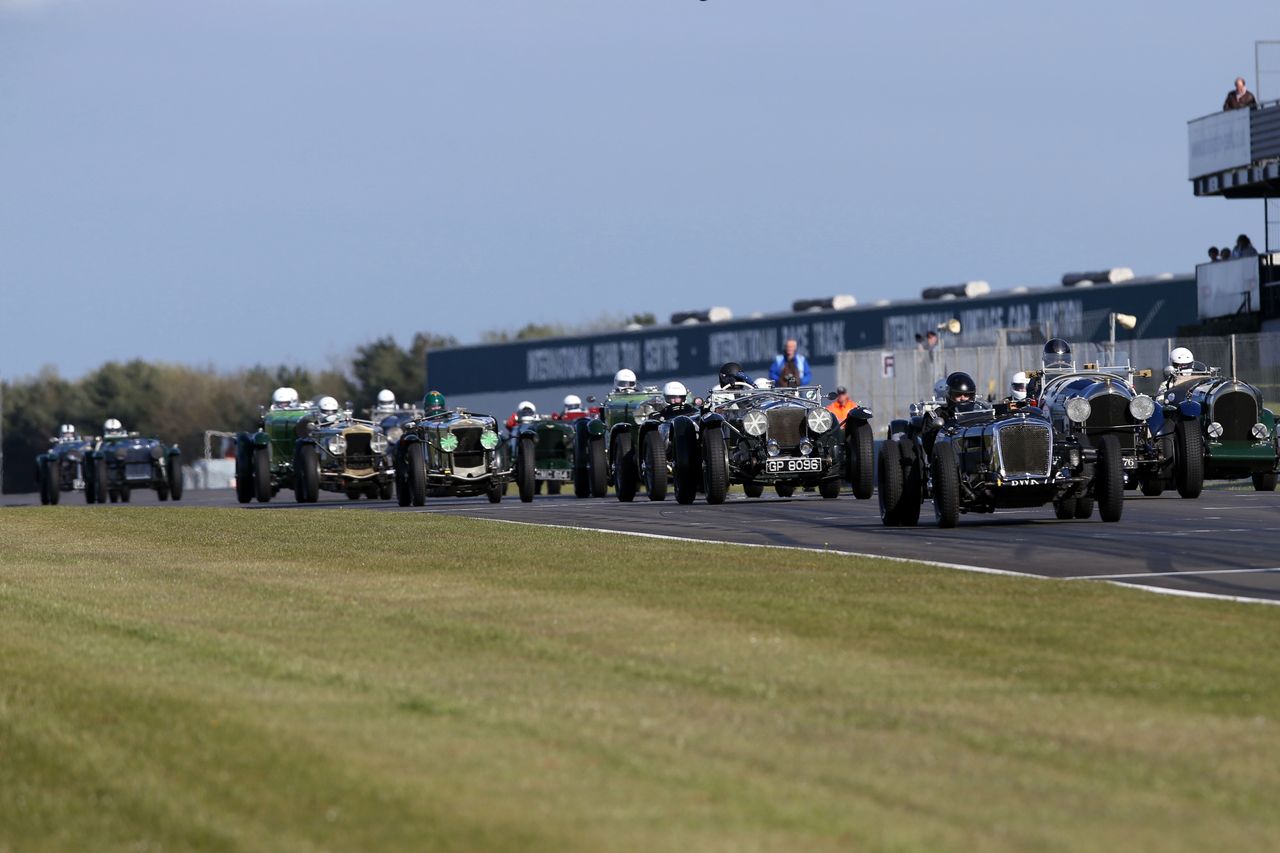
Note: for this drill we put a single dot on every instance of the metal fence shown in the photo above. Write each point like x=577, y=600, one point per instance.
x=890, y=380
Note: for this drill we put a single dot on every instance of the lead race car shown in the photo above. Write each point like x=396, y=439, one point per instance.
x=1096, y=401
x=65, y=466
x=453, y=453
x=1234, y=435
x=124, y=461
x=971, y=456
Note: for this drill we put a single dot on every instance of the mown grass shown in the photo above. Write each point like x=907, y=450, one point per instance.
x=301, y=680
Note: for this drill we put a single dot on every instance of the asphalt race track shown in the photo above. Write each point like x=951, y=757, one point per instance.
x=1226, y=543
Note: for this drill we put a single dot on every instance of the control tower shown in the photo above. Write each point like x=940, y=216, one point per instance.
x=1235, y=154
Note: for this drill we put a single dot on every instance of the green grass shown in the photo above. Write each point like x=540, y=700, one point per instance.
x=301, y=680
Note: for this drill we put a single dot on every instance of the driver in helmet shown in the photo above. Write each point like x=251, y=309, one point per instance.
x=624, y=381
x=1181, y=361
x=676, y=397
x=962, y=394
x=284, y=397
x=112, y=428
x=572, y=408
x=433, y=404
x=328, y=407
x=66, y=432
x=526, y=412
x=733, y=379
x=386, y=401
x=1017, y=398
x=1057, y=355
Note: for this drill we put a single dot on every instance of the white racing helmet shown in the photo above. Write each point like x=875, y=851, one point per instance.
x=67, y=431
x=624, y=380
x=526, y=409
x=573, y=403
x=284, y=396
x=1018, y=385
x=1181, y=359
x=764, y=383
x=112, y=426
x=328, y=406
x=386, y=400
x=675, y=393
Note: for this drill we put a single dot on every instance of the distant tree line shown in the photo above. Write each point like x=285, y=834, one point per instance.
x=177, y=403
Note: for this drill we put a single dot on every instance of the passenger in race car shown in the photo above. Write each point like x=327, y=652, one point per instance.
x=386, y=401
x=1018, y=398
x=433, y=404
x=1181, y=361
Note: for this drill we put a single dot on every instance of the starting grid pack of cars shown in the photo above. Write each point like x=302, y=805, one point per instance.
x=1077, y=439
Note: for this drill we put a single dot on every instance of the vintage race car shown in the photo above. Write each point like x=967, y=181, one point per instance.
x=543, y=449
x=610, y=445
x=451, y=453
x=1232, y=435
x=1090, y=403
x=994, y=458
x=299, y=447
x=65, y=467
x=782, y=437
x=122, y=463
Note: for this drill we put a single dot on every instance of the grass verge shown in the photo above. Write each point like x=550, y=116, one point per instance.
x=297, y=680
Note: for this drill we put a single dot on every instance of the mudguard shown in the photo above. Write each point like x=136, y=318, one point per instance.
x=261, y=439
x=712, y=420
x=1189, y=409
x=858, y=413
x=590, y=427
x=619, y=429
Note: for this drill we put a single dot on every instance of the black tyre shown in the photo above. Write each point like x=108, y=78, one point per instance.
x=262, y=474
x=173, y=475
x=686, y=477
x=655, y=466
x=306, y=474
x=244, y=471
x=125, y=494
x=581, y=470
x=715, y=467
x=553, y=487
x=1108, y=487
x=1188, y=462
x=384, y=490
x=1084, y=508
x=1152, y=487
x=912, y=483
x=90, y=484
x=1065, y=509
x=524, y=469
x=1265, y=482
x=830, y=488
x=597, y=468
x=889, y=462
x=752, y=489
x=495, y=491
x=403, y=495
x=626, y=473
x=353, y=494
x=113, y=495
x=784, y=490
x=162, y=491
x=100, y=480
x=859, y=457
x=946, y=485
x=416, y=475
x=51, y=482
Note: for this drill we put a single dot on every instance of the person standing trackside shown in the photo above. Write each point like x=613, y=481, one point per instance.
x=841, y=406
x=790, y=368
x=1240, y=98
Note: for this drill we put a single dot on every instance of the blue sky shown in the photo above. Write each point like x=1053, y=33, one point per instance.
x=224, y=183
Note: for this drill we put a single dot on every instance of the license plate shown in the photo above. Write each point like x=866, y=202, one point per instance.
x=137, y=471
x=788, y=466
x=553, y=474
x=1129, y=462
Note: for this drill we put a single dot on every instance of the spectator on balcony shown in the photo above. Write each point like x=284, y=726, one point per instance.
x=1224, y=254
x=1244, y=248
x=1213, y=253
x=1240, y=98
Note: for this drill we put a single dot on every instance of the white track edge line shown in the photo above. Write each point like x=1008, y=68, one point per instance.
x=1189, y=572
x=830, y=551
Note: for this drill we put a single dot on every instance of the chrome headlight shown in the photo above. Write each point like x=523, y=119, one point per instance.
x=755, y=423
x=1214, y=430
x=488, y=439
x=819, y=420
x=1142, y=407
x=393, y=434
x=1260, y=432
x=772, y=448
x=448, y=442
x=336, y=444
x=806, y=447
x=379, y=443
x=1079, y=409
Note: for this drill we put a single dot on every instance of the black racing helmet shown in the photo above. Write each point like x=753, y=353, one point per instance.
x=729, y=373
x=1057, y=353
x=961, y=390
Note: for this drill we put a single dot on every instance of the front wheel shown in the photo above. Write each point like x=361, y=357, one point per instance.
x=946, y=485
x=416, y=476
x=244, y=471
x=859, y=453
x=1108, y=486
x=100, y=481
x=597, y=468
x=306, y=474
x=51, y=482
x=581, y=468
x=173, y=476
x=1265, y=482
x=890, y=464
x=524, y=470
x=655, y=466
x=495, y=491
x=1188, y=464
x=715, y=466
x=625, y=474
x=262, y=474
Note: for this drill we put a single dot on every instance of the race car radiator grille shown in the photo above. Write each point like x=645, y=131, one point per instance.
x=1024, y=450
x=1109, y=411
x=469, y=453
x=786, y=426
x=359, y=450
x=1237, y=411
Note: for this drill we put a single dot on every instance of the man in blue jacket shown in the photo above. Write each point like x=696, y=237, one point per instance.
x=790, y=368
